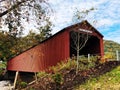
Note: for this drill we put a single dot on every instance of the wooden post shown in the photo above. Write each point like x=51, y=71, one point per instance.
x=88, y=57
x=15, y=80
x=117, y=55
x=36, y=77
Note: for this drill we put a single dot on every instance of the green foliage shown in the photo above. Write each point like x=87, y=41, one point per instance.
x=108, y=81
x=10, y=46
x=57, y=78
x=11, y=41
x=2, y=68
x=3, y=65
x=110, y=55
x=44, y=32
x=5, y=46
x=18, y=11
x=63, y=65
x=84, y=63
x=42, y=74
x=23, y=84
x=110, y=48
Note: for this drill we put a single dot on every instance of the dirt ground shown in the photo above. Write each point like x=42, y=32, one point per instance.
x=72, y=79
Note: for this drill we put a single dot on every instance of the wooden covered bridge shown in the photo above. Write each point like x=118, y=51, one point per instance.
x=56, y=48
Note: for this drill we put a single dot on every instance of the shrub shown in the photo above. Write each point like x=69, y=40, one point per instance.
x=110, y=55
x=58, y=79
x=23, y=84
x=63, y=65
x=2, y=69
x=84, y=63
x=3, y=65
x=41, y=74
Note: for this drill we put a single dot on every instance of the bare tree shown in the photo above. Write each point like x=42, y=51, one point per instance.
x=80, y=37
x=79, y=40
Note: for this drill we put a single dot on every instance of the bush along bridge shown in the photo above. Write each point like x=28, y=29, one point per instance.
x=112, y=56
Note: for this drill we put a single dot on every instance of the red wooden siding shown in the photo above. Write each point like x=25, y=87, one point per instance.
x=101, y=47
x=54, y=50
x=42, y=56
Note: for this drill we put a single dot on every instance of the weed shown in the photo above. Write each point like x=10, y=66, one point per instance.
x=63, y=65
x=41, y=74
x=58, y=79
x=23, y=84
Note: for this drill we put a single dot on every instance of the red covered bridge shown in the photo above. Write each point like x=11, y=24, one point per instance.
x=57, y=48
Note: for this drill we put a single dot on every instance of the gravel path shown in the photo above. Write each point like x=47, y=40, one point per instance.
x=5, y=85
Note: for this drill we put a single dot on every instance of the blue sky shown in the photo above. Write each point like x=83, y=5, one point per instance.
x=106, y=15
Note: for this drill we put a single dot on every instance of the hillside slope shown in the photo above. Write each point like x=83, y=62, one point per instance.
x=86, y=78
x=108, y=81
x=111, y=46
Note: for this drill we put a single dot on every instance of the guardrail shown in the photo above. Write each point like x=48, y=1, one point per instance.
x=114, y=56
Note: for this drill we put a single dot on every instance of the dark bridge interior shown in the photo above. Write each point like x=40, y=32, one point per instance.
x=92, y=46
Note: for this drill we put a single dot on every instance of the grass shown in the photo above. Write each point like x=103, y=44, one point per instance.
x=108, y=81
x=63, y=65
x=72, y=63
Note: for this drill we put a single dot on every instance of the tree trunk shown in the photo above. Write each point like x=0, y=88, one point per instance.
x=78, y=51
x=77, y=60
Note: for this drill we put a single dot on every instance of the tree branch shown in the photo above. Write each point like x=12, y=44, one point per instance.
x=12, y=8
x=84, y=42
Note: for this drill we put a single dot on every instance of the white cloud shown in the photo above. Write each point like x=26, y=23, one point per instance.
x=106, y=14
x=104, y=22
